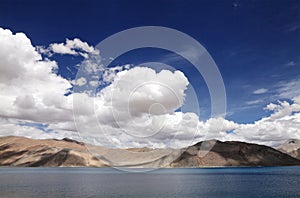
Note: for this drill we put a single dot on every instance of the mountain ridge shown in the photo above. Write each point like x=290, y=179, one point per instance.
x=21, y=151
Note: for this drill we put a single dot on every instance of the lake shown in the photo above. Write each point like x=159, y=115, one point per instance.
x=109, y=182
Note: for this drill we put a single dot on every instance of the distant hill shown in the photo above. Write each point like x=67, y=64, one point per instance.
x=291, y=147
x=20, y=151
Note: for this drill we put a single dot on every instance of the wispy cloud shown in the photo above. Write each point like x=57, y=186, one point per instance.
x=253, y=102
x=292, y=27
x=291, y=63
x=187, y=52
x=289, y=89
x=260, y=91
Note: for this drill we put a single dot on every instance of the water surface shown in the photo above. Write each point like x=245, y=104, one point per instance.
x=109, y=182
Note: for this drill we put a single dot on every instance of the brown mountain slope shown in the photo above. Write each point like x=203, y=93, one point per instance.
x=20, y=151
x=233, y=154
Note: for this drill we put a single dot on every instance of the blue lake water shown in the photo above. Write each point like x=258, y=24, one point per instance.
x=108, y=182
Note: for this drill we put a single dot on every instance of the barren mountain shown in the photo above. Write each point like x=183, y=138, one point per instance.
x=20, y=151
x=291, y=147
x=216, y=153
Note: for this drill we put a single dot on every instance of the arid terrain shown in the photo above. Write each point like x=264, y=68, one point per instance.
x=21, y=151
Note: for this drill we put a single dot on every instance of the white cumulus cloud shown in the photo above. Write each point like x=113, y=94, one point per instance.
x=137, y=108
x=72, y=47
x=29, y=87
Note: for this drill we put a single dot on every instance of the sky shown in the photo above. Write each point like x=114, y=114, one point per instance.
x=254, y=44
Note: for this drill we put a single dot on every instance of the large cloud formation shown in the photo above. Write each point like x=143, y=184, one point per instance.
x=30, y=88
x=137, y=108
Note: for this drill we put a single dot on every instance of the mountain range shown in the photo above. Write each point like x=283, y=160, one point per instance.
x=21, y=151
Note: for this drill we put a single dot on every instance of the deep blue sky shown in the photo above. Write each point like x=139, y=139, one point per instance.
x=252, y=42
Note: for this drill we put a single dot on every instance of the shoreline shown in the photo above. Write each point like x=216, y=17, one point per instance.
x=120, y=168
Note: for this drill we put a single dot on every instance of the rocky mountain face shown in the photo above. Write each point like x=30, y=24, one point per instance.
x=291, y=147
x=216, y=153
x=20, y=151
